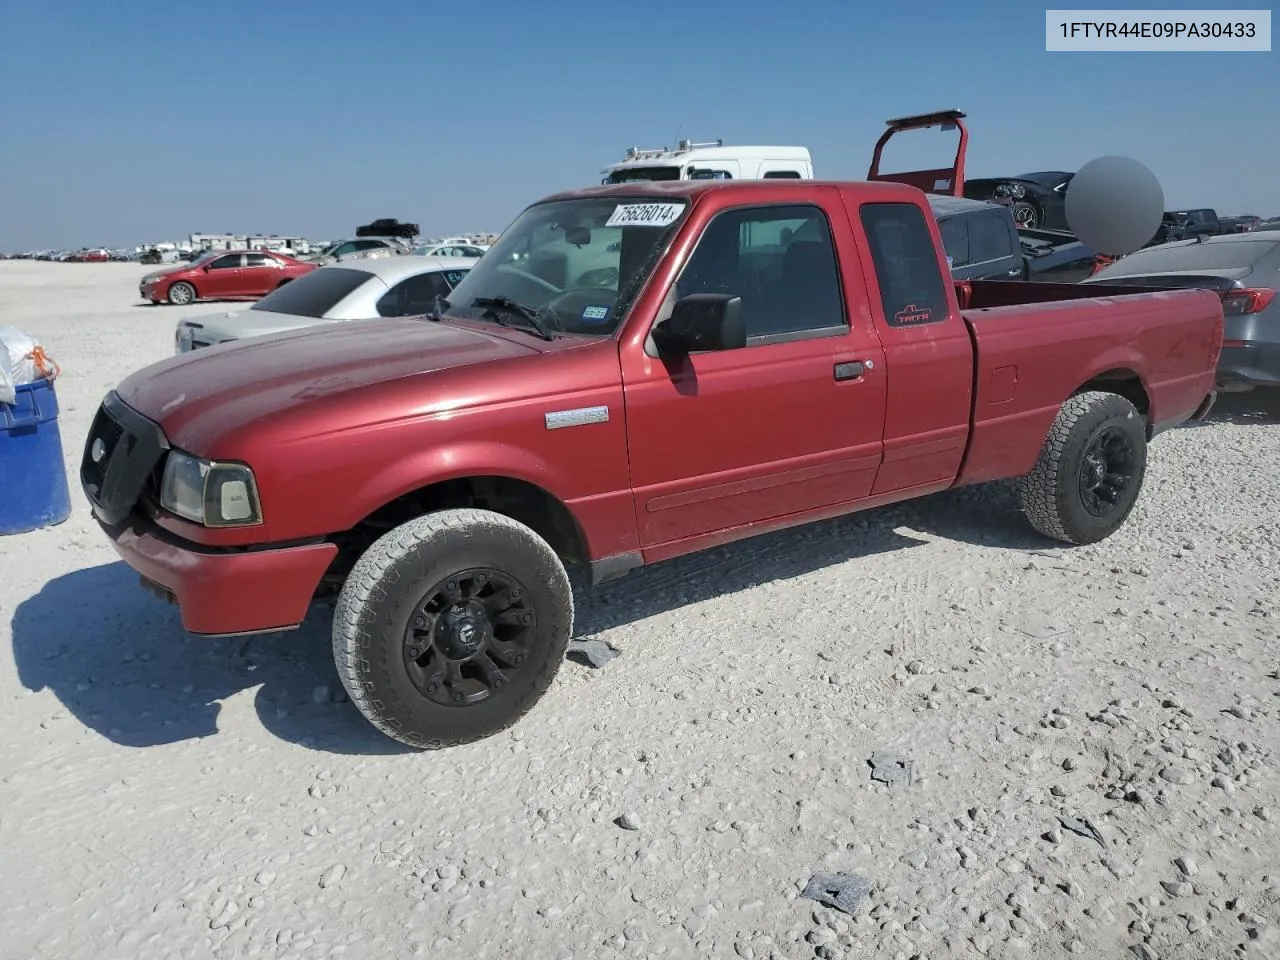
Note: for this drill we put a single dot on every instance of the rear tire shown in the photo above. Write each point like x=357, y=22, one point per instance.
x=451, y=627
x=1090, y=470
x=181, y=293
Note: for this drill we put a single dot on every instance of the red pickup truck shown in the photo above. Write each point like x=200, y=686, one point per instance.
x=632, y=372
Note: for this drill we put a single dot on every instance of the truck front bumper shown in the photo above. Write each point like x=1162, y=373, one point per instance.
x=225, y=592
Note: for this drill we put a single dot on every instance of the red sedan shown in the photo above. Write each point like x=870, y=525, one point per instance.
x=222, y=275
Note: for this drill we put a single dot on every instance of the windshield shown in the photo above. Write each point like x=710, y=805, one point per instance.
x=578, y=263
x=313, y=294
x=643, y=174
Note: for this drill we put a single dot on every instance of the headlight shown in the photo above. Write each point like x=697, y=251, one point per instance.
x=210, y=493
x=1015, y=190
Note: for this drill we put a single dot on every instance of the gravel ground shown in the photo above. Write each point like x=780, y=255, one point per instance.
x=163, y=796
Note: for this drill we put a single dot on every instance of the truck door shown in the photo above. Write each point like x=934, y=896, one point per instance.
x=791, y=422
x=928, y=350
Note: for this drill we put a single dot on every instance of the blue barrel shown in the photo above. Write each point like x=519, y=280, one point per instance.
x=33, y=478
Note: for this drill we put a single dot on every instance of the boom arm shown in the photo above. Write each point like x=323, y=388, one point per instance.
x=948, y=181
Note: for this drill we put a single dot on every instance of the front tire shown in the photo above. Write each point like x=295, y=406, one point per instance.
x=181, y=293
x=451, y=627
x=1090, y=470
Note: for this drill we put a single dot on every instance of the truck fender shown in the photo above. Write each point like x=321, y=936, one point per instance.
x=456, y=461
x=1120, y=365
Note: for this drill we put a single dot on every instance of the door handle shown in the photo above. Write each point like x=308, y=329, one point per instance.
x=850, y=370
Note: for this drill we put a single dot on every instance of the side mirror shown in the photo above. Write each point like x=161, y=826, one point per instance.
x=702, y=321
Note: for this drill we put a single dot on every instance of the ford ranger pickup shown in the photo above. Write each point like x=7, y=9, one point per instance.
x=633, y=372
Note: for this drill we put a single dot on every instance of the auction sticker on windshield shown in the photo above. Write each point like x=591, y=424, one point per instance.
x=645, y=214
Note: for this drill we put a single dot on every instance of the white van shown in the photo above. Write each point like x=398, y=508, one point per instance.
x=711, y=161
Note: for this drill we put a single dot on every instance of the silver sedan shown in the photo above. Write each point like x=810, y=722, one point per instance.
x=356, y=290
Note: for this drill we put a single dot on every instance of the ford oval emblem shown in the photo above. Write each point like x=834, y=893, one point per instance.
x=98, y=450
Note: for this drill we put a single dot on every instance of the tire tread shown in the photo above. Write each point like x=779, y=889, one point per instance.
x=377, y=565
x=1040, y=490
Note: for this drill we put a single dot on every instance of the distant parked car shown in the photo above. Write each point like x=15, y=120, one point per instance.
x=359, y=290
x=1241, y=224
x=472, y=250
x=1037, y=200
x=1244, y=269
x=388, y=227
x=222, y=275
x=156, y=256
x=360, y=248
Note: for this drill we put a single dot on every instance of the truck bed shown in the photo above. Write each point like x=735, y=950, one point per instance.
x=985, y=294
x=1037, y=343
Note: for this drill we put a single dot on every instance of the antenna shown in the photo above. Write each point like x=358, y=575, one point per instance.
x=679, y=130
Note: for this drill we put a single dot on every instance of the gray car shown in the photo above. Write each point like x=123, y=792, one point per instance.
x=360, y=248
x=355, y=290
x=1244, y=268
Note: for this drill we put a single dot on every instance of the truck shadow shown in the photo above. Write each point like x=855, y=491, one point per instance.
x=1259, y=406
x=121, y=664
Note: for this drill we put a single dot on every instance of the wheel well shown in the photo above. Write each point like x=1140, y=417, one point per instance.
x=283, y=282
x=524, y=502
x=1127, y=384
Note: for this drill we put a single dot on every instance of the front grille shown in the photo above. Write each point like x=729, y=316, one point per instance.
x=197, y=344
x=121, y=453
x=108, y=433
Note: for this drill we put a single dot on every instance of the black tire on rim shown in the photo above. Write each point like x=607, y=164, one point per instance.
x=181, y=293
x=1090, y=470
x=451, y=627
x=1025, y=214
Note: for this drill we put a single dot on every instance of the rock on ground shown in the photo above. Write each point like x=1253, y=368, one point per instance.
x=163, y=796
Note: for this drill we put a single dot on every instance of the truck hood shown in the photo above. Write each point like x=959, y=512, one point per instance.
x=210, y=393
x=237, y=324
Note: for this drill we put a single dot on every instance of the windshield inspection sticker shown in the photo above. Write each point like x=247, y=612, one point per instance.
x=644, y=214
x=595, y=314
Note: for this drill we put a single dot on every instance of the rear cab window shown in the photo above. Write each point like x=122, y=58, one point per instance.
x=913, y=291
x=955, y=240
x=989, y=237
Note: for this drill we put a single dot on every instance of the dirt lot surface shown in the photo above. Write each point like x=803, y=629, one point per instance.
x=163, y=796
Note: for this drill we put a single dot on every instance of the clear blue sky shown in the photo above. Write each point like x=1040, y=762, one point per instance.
x=138, y=121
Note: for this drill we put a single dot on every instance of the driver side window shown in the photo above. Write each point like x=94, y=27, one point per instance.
x=781, y=261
